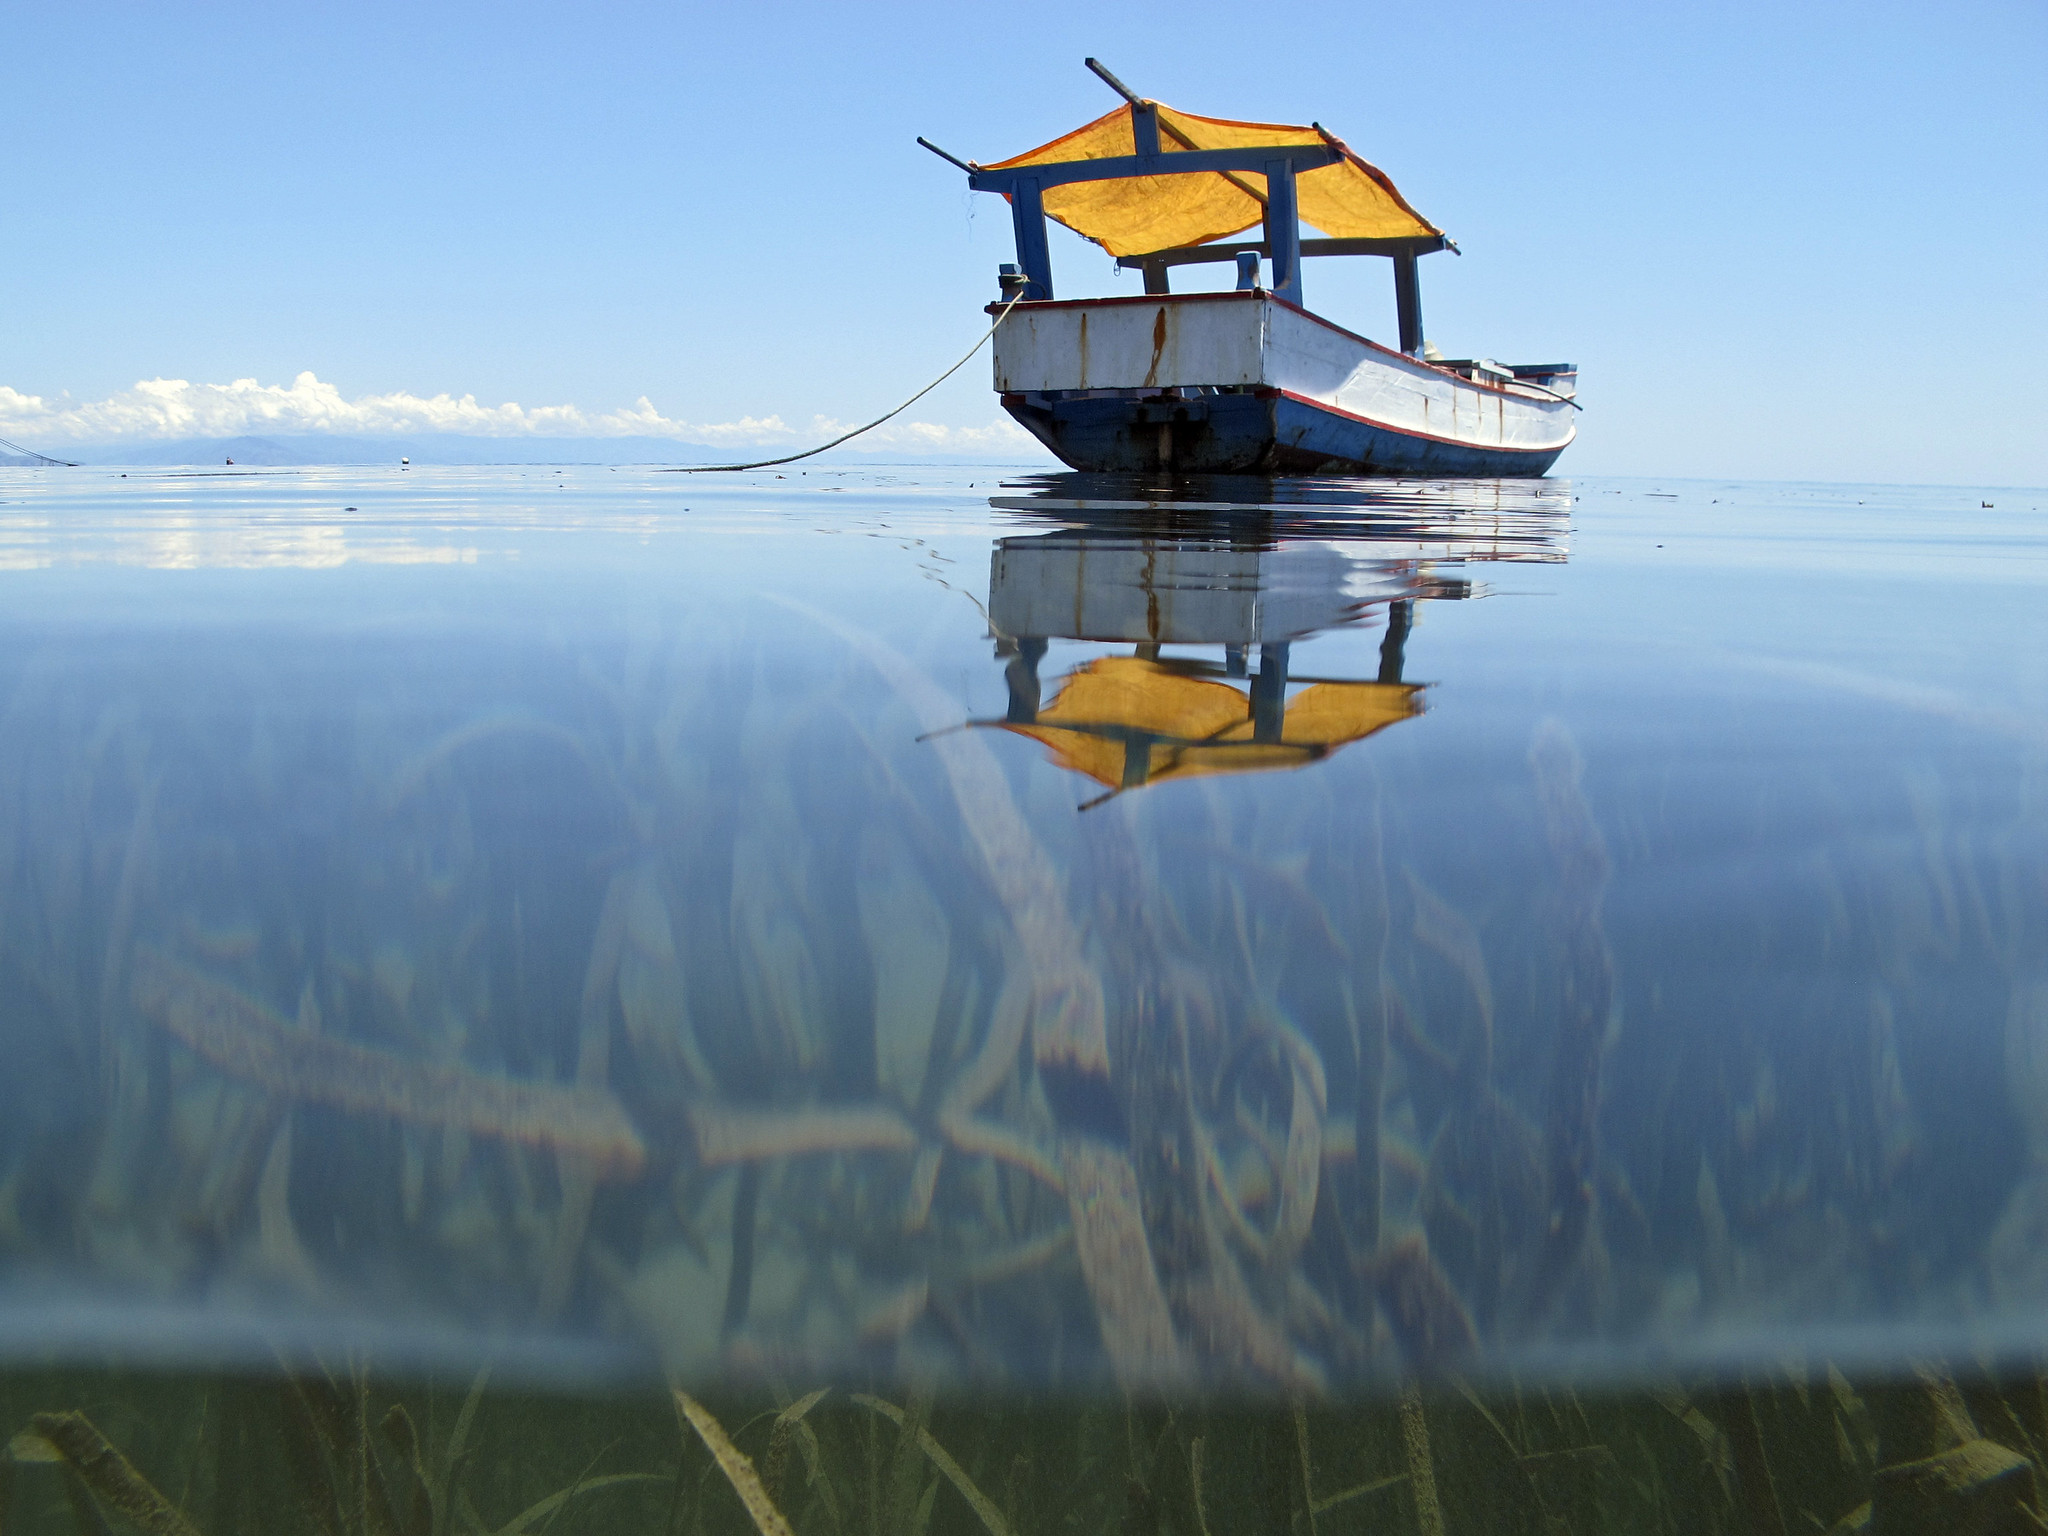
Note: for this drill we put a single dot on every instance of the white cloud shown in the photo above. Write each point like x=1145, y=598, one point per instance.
x=176, y=408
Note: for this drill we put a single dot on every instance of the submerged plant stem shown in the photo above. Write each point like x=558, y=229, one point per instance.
x=110, y=1475
x=1429, y=1511
x=955, y=1474
x=734, y=1463
x=245, y=1039
x=749, y=1135
x=1070, y=1041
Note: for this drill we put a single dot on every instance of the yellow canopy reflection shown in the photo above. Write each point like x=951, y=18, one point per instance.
x=1126, y=721
x=1350, y=200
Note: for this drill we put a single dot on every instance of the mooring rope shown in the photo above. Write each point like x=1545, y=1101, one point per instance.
x=1567, y=399
x=43, y=460
x=1004, y=314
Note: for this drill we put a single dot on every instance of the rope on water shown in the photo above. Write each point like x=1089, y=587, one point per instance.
x=791, y=458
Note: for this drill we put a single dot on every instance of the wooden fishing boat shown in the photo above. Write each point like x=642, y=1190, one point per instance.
x=1245, y=380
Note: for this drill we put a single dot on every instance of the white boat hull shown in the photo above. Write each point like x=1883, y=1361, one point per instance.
x=1240, y=382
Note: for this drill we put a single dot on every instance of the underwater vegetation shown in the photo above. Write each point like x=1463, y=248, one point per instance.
x=1517, y=1121
x=717, y=1003
x=305, y=1450
x=635, y=1064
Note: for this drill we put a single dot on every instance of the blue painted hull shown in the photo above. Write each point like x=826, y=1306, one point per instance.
x=1253, y=432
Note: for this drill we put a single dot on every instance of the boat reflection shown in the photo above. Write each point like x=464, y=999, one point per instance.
x=1518, y=520
x=1247, y=568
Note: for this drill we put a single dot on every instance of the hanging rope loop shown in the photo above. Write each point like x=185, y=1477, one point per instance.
x=1001, y=316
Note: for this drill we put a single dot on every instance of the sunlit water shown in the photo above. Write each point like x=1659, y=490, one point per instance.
x=995, y=931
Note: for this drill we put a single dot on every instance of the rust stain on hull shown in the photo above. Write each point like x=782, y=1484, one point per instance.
x=1158, y=345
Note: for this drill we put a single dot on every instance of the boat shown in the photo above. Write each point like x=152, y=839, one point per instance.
x=1245, y=380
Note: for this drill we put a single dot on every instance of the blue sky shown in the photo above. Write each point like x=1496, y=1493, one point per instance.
x=1781, y=240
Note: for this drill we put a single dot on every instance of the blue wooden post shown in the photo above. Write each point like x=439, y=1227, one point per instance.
x=1408, y=302
x=1145, y=127
x=1145, y=141
x=1034, y=255
x=1269, y=693
x=1394, y=644
x=1022, y=676
x=1137, y=760
x=1283, y=230
x=1025, y=187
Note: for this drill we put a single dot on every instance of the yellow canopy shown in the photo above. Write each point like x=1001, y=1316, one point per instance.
x=1350, y=200
x=1188, y=726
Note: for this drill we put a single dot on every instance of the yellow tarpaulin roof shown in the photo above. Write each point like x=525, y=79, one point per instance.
x=1350, y=200
x=1187, y=726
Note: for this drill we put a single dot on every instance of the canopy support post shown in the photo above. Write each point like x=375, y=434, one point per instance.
x=1144, y=141
x=1144, y=114
x=1025, y=187
x=1034, y=254
x=1021, y=674
x=1269, y=693
x=1408, y=302
x=1283, y=230
x=1394, y=644
x=1137, y=760
x=1145, y=127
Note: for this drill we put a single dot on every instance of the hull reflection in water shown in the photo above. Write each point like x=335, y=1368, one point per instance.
x=1269, y=574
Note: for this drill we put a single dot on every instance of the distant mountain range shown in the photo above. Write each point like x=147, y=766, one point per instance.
x=444, y=448
x=428, y=448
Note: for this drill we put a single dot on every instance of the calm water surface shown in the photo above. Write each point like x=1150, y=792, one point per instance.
x=975, y=931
